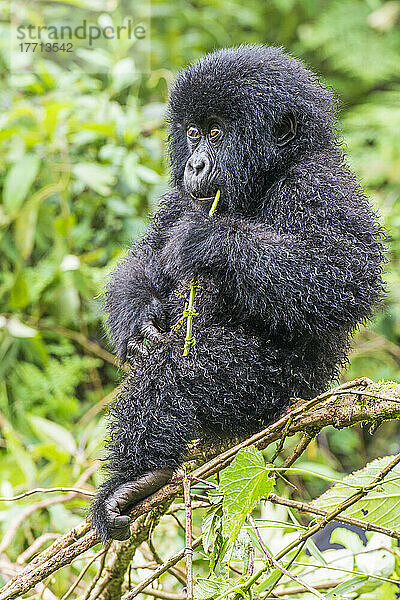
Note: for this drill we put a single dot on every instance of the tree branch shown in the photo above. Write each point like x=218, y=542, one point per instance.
x=351, y=403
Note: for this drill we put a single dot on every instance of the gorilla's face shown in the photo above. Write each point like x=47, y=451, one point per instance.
x=208, y=157
x=202, y=176
x=238, y=118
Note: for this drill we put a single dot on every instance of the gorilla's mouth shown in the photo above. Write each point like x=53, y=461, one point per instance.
x=201, y=198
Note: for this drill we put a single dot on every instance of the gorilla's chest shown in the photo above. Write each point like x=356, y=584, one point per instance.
x=211, y=305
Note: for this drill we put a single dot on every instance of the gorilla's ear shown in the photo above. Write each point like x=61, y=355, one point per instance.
x=286, y=130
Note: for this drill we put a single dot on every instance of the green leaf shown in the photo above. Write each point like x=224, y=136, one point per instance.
x=213, y=587
x=21, y=455
x=25, y=228
x=381, y=506
x=99, y=177
x=47, y=429
x=19, y=297
x=348, y=539
x=272, y=578
x=315, y=551
x=211, y=519
x=243, y=483
x=18, y=182
x=351, y=585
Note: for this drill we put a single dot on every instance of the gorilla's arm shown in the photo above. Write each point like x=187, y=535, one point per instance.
x=135, y=293
x=318, y=279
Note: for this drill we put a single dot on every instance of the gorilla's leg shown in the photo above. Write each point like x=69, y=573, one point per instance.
x=151, y=425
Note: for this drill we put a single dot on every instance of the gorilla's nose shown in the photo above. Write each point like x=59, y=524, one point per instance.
x=197, y=164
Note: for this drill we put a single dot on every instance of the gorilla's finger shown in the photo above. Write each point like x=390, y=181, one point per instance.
x=151, y=333
x=122, y=352
x=160, y=321
x=118, y=525
x=150, y=483
x=135, y=347
x=127, y=494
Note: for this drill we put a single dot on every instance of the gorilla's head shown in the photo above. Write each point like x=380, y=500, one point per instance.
x=239, y=117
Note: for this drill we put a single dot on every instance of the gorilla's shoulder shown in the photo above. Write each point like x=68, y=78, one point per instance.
x=322, y=177
x=171, y=204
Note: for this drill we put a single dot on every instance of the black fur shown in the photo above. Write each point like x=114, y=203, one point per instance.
x=288, y=266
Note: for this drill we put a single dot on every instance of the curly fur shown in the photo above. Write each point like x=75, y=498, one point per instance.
x=288, y=267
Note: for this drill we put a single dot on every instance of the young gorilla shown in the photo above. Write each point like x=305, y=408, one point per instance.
x=287, y=267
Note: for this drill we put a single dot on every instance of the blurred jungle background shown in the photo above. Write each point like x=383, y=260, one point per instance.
x=82, y=164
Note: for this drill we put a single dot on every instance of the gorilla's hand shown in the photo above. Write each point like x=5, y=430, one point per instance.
x=108, y=513
x=194, y=245
x=147, y=324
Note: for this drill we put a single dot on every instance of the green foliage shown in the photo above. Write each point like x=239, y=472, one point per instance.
x=243, y=483
x=366, y=571
x=82, y=164
x=381, y=505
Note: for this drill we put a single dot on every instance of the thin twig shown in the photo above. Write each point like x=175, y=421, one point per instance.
x=29, y=510
x=158, y=572
x=190, y=312
x=281, y=441
x=80, y=491
x=301, y=589
x=173, y=515
x=99, y=572
x=273, y=562
x=175, y=571
x=188, y=538
x=298, y=451
x=82, y=574
x=309, y=508
x=163, y=595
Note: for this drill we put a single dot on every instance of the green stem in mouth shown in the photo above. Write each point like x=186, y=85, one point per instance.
x=214, y=204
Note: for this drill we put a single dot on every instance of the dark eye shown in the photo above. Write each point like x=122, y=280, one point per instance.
x=193, y=133
x=215, y=132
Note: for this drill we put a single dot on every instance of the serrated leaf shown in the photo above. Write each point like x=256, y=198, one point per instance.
x=18, y=182
x=243, y=483
x=381, y=506
x=48, y=429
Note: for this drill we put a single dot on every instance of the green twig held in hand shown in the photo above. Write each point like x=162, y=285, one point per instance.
x=190, y=310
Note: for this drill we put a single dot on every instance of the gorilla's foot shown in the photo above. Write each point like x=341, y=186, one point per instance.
x=126, y=496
